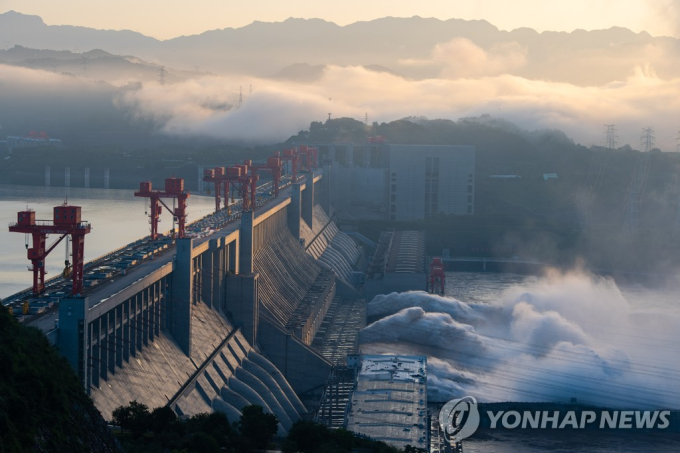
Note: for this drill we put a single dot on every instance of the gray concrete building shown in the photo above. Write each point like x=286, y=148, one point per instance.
x=426, y=181
x=383, y=181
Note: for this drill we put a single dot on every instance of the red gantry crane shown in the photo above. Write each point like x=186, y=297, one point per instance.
x=437, y=276
x=244, y=185
x=274, y=166
x=66, y=222
x=294, y=158
x=237, y=177
x=174, y=188
x=218, y=176
x=310, y=155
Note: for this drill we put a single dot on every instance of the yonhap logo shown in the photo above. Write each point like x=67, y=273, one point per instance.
x=459, y=419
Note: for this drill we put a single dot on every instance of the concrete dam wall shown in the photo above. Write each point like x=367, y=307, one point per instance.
x=225, y=321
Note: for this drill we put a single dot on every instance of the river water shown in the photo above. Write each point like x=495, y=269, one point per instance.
x=649, y=343
x=117, y=219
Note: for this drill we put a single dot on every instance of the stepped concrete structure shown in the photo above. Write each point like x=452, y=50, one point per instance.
x=238, y=317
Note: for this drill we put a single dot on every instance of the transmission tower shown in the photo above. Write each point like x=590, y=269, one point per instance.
x=366, y=119
x=161, y=75
x=637, y=185
x=647, y=139
x=240, y=96
x=677, y=140
x=610, y=131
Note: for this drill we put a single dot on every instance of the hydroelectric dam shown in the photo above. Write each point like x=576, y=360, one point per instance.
x=258, y=311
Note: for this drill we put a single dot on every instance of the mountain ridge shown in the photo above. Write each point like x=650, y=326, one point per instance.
x=261, y=49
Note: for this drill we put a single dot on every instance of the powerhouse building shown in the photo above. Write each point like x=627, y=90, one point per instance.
x=384, y=181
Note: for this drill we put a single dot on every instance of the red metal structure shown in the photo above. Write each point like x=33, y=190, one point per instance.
x=244, y=185
x=310, y=157
x=437, y=276
x=66, y=222
x=218, y=176
x=237, y=177
x=274, y=166
x=294, y=158
x=174, y=188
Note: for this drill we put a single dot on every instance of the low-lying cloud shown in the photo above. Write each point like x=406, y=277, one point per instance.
x=276, y=110
x=460, y=57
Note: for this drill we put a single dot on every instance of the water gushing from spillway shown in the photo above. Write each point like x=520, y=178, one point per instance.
x=564, y=336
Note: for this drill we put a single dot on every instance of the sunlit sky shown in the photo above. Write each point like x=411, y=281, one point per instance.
x=170, y=18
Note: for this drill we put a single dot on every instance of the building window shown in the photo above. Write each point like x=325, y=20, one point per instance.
x=469, y=189
x=469, y=198
x=394, y=198
x=394, y=187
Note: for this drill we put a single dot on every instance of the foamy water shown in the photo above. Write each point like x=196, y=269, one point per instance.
x=554, y=338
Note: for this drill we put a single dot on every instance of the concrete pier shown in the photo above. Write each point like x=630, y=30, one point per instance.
x=182, y=295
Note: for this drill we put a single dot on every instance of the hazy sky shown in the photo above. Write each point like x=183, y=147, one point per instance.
x=169, y=18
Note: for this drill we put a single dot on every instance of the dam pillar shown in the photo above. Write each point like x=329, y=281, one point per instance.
x=295, y=210
x=308, y=202
x=73, y=330
x=242, y=303
x=245, y=261
x=182, y=295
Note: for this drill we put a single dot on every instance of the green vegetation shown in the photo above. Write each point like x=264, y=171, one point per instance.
x=43, y=407
x=161, y=430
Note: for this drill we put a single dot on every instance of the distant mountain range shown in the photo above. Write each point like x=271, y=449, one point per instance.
x=405, y=46
x=94, y=64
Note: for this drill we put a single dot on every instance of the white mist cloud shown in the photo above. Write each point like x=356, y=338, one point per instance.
x=460, y=57
x=277, y=110
x=565, y=336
